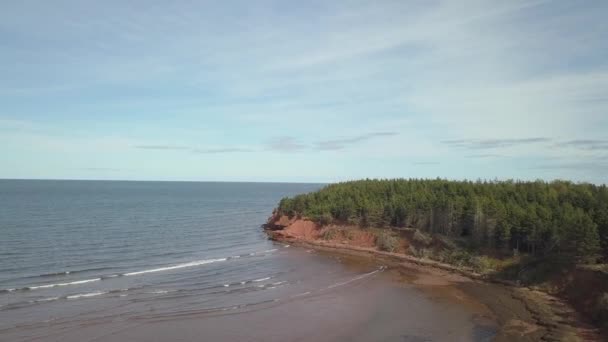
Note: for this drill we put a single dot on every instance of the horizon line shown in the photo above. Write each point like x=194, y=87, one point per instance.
x=495, y=180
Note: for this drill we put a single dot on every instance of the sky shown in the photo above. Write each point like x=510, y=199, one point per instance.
x=304, y=91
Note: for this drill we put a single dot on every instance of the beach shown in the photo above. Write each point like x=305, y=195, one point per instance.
x=517, y=313
x=373, y=303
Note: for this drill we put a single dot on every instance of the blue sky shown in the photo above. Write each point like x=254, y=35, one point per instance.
x=315, y=91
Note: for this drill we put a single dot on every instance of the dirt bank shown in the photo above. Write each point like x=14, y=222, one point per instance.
x=523, y=314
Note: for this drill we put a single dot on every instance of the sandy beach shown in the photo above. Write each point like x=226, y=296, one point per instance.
x=376, y=303
x=514, y=313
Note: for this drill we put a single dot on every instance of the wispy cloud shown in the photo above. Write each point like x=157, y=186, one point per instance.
x=341, y=143
x=480, y=144
x=586, y=144
x=588, y=166
x=286, y=144
x=293, y=144
x=163, y=147
x=109, y=169
x=194, y=149
x=221, y=150
x=426, y=163
x=484, y=155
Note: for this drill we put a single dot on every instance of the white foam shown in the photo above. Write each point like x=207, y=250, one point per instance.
x=270, y=250
x=286, y=246
x=86, y=295
x=188, y=264
x=226, y=285
x=261, y=279
x=47, y=299
x=78, y=282
x=236, y=257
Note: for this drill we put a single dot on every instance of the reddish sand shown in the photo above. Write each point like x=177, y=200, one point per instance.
x=524, y=314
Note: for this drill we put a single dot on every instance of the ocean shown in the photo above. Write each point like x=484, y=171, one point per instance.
x=113, y=255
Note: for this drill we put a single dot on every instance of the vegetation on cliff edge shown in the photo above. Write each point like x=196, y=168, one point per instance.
x=537, y=218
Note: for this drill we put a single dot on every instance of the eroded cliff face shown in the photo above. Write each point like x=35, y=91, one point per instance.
x=283, y=228
x=278, y=222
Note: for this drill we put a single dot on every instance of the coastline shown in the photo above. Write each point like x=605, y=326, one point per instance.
x=522, y=313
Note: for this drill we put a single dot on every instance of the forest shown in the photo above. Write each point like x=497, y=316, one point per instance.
x=537, y=218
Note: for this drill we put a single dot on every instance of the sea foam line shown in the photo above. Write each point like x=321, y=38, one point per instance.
x=154, y=270
x=77, y=282
x=261, y=279
x=188, y=264
x=85, y=295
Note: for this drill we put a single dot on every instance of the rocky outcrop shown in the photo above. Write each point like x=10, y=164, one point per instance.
x=278, y=221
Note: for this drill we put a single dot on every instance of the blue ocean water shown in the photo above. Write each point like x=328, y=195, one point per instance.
x=78, y=239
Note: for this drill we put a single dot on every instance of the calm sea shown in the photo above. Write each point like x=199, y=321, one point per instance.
x=117, y=254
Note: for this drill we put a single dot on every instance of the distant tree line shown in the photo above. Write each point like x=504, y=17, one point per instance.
x=533, y=217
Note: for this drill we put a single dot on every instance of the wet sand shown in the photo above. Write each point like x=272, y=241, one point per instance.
x=367, y=311
x=515, y=313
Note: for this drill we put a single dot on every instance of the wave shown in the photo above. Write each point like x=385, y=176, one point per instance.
x=121, y=290
x=54, y=274
x=135, y=273
x=85, y=295
x=159, y=292
x=50, y=299
x=46, y=286
x=261, y=279
x=188, y=264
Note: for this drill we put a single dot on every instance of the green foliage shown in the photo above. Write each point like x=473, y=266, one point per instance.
x=423, y=253
x=421, y=238
x=483, y=264
x=330, y=234
x=387, y=242
x=456, y=257
x=538, y=218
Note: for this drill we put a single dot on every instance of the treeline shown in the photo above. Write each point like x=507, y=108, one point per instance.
x=534, y=217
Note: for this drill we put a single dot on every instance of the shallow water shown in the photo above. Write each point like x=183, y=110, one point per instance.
x=116, y=261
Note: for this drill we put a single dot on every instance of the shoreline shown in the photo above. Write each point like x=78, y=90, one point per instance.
x=522, y=313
